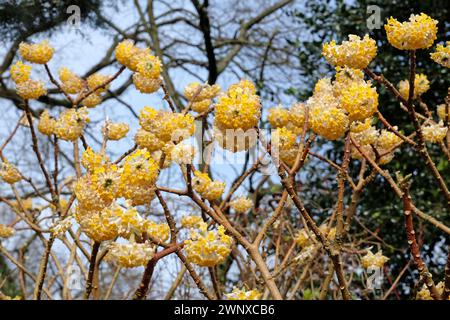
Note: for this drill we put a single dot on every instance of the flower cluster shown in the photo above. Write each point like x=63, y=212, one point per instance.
x=40, y=53
x=191, y=221
x=130, y=255
x=442, y=55
x=5, y=231
x=354, y=53
x=417, y=33
x=208, y=248
x=239, y=108
x=374, y=142
x=162, y=129
x=116, y=131
x=242, y=294
x=146, y=67
x=421, y=85
x=241, y=204
x=69, y=126
x=424, y=292
x=208, y=189
x=434, y=132
x=9, y=173
x=26, y=88
x=326, y=118
x=442, y=109
x=200, y=95
x=371, y=260
x=293, y=118
x=71, y=83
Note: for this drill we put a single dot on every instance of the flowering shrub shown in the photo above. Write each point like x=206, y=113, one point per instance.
x=113, y=204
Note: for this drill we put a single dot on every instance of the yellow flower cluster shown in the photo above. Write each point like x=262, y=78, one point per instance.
x=160, y=231
x=9, y=173
x=201, y=95
x=289, y=156
x=26, y=88
x=146, y=66
x=182, y=153
x=208, y=248
x=130, y=255
x=374, y=260
x=208, y=189
x=20, y=72
x=441, y=112
x=421, y=85
x=239, y=108
x=40, y=53
x=138, y=176
x=162, y=127
x=417, y=33
x=116, y=131
x=283, y=139
x=382, y=140
x=442, y=55
x=293, y=118
x=71, y=83
x=69, y=126
x=387, y=139
x=5, y=231
x=424, y=293
x=241, y=204
x=104, y=182
x=191, y=221
x=326, y=118
x=109, y=222
x=434, y=132
x=360, y=100
x=242, y=294
x=334, y=105
x=305, y=238
x=355, y=53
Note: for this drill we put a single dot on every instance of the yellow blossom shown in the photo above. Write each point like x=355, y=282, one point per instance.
x=417, y=33
x=239, y=108
x=434, y=132
x=116, y=131
x=20, y=72
x=5, y=231
x=442, y=55
x=146, y=85
x=373, y=260
x=38, y=53
x=208, y=248
x=71, y=83
x=130, y=255
x=355, y=53
x=31, y=89
x=197, y=92
x=360, y=101
x=46, y=124
x=242, y=294
x=278, y=117
x=9, y=173
x=421, y=85
x=241, y=204
x=97, y=80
